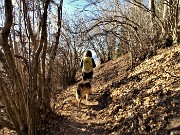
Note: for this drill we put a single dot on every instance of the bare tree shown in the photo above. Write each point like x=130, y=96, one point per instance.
x=26, y=80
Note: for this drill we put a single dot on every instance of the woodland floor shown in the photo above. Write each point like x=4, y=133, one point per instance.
x=145, y=100
x=142, y=101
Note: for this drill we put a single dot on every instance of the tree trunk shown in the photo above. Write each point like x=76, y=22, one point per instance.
x=175, y=31
x=152, y=11
x=20, y=86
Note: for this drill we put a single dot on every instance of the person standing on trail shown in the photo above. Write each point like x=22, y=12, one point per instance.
x=87, y=65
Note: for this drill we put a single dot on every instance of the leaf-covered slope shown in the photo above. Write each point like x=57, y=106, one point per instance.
x=149, y=97
x=143, y=101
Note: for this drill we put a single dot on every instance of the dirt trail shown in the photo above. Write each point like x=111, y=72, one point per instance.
x=143, y=101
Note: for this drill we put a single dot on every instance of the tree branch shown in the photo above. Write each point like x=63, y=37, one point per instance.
x=24, y=59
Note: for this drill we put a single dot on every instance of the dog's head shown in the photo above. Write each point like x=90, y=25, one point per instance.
x=84, y=86
x=87, y=84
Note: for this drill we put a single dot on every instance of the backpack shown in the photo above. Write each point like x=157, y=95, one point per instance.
x=87, y=64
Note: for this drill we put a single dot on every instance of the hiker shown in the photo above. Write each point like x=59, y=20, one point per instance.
x=87, y=65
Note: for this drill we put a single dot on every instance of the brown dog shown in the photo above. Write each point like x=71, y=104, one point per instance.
x=83, y=89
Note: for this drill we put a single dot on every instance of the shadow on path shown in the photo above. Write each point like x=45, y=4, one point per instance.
x=60, y=125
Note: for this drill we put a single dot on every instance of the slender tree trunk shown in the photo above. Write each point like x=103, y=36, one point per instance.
x=152, y=11
x=165, y=14
x=175, y=31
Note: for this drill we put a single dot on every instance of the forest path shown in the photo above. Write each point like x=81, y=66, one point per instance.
x=93, y=116
x=143, y=101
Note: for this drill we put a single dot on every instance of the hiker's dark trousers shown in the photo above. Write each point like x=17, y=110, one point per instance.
x=87, y=75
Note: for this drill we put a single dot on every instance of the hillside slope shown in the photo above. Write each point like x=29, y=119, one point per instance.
x=143, y=101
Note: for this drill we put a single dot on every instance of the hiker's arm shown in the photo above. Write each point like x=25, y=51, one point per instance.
x=93, y=62
x=81, y=65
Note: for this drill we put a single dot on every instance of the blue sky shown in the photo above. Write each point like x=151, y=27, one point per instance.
x=70, y=6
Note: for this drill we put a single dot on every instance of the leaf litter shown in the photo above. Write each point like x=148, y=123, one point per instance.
x=144, y=100
x=141, y=101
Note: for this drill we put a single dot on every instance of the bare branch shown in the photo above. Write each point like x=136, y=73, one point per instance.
x=24, y=59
